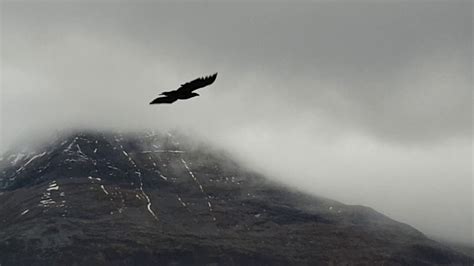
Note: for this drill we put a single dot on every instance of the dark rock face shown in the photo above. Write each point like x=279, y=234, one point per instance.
x=110, y=199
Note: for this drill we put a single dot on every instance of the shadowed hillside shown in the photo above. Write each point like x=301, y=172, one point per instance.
x=156, y=199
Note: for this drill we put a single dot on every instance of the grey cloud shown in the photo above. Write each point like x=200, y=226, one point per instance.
x=398, y=70
x=364, y=102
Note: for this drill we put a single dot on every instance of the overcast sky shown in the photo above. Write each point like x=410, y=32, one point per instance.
x=363, y=102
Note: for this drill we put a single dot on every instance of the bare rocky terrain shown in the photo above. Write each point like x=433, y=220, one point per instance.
x=94, y=198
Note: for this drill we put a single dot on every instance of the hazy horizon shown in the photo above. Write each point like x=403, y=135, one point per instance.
x=365, y=103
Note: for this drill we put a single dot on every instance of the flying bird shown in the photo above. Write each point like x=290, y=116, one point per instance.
x=186, y=90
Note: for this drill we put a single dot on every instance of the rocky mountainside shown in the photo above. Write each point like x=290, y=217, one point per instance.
x=156, y=199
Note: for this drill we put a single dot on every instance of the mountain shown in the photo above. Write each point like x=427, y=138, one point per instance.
x=94, y=198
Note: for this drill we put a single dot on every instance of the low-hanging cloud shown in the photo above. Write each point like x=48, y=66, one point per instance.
x=365, y=103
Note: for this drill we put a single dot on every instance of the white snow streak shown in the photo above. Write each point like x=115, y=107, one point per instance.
x=53, y=188
x=47, y=202
x=192, y=175
x=70, y=145
x=79, y=150
x=32, y=159
x=148, y=206
x=160, y=151
x=94, y=178
x=200, y=187
x=46, y=199
x=181, y=201
x=103, y=189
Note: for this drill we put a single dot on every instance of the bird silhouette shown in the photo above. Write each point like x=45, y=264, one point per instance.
x=186, y=90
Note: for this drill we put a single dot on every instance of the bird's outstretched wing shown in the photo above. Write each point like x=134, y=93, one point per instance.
x=185, y=91
x=165, y=99
x=169, y=93
x=197, y=83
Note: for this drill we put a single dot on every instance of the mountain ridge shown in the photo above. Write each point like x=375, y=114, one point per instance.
x=126, y=199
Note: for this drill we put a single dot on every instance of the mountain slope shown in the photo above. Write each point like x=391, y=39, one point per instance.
x=157, y=199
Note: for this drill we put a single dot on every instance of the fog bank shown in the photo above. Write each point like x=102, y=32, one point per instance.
x=365, y=103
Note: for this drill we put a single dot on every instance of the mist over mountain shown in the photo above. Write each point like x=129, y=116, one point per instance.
x=107, y=198
x=367, y=102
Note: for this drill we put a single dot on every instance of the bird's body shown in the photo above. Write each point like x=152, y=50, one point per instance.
x=186, y=90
